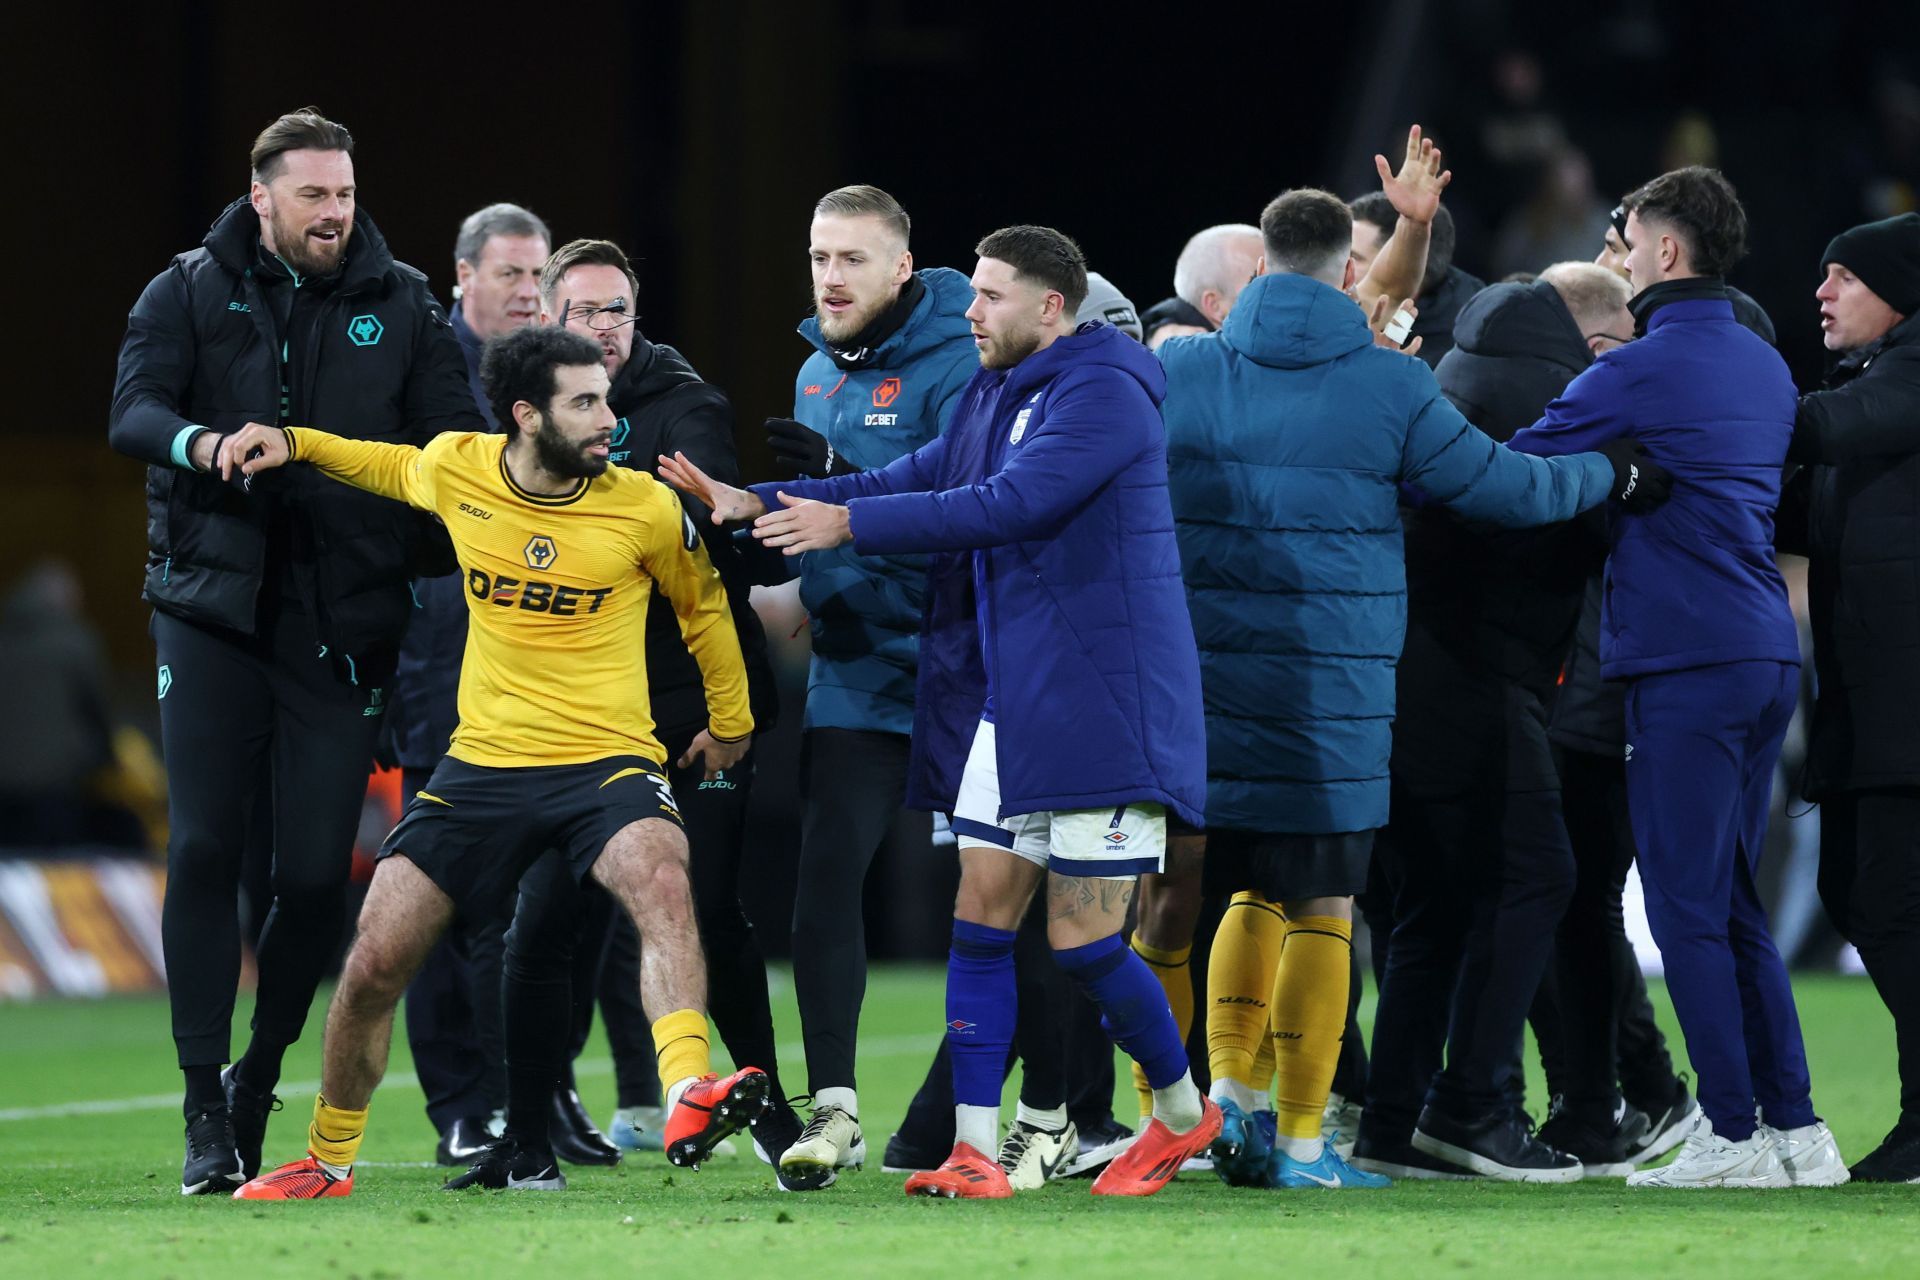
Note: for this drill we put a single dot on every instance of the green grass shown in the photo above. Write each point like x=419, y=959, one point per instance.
x=97, y=1194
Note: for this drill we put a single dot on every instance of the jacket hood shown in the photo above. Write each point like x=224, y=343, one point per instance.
x=236, y=231
x=940, y=317
x=1506, y=320
x=651, y=368
x=1093, y=343
x=1294, y=322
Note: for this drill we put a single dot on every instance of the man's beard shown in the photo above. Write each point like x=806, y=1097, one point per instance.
x=848, y=324
x=306, y=255
x=559, y=456
x=1011, y=350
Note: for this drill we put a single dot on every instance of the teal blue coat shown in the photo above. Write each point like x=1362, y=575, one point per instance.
x=864, y=611
x=1288, y=436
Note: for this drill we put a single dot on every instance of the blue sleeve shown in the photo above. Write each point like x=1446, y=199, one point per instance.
x=1092, y=431
x=1596, y=407
x=1455, y=463
x=909, y=473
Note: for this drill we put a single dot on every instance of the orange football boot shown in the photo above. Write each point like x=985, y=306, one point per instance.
x=968, y=1174
x=301, y=1180
x=1156, y=1155
x=710, y=1109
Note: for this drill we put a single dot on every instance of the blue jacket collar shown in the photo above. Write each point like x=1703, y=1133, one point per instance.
x=939, y=318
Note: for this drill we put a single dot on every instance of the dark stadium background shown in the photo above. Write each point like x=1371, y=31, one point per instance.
x=698, y=135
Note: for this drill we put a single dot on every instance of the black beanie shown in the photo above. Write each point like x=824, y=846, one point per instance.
x=1886, y=257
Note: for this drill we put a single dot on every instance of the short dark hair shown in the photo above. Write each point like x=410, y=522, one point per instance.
x=585, y=253
x=302, y=130
x=1376, y=210
x=863, y=201
x=519, y=366
x=1702, y=206
x=483, y=225
x=1043, y=254
x=1307, y=231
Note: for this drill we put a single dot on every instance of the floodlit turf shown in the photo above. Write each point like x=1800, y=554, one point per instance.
x=97, y=1193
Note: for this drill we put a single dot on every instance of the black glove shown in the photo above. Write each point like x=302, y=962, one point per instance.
x=804, y=451
x=1639, y=483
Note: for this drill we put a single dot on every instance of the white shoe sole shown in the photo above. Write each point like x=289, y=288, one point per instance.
x=1828, y=1177
x=1479, y=1164
x=218, y=1185
x=1618, y=1170
x=1674, y=1134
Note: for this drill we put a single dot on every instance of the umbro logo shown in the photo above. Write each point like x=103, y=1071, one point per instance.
x=960, y=1027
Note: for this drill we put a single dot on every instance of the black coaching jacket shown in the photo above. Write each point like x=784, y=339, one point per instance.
x=369, y=354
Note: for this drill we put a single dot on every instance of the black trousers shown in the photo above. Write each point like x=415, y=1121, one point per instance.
x=853, y=783
x=1479, y=886
x=1594, y=1024
x=1066, y=1057
x=236, y=713
x=564, y=932
x=453, y=1014
x=1870, y=884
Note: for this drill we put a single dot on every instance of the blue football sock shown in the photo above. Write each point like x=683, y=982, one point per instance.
x=1133, y=1006
x=981, y=1007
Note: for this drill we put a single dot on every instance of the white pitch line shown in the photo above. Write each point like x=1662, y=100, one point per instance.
x=876, y=1047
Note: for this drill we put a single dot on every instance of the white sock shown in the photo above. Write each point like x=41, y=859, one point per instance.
x=1305, y=1150
x=1263, y=1101
x=1052, y=1119
x=337, y=1172
x=677, y=1088
x=1227, y=1089
x=1178, y=1105
x=843, y=1098
x=978, y=1127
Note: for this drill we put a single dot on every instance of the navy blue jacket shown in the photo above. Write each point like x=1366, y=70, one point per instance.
x=1288, y=433
x=1693, y=583
x=864, y=611
x=1055, y=472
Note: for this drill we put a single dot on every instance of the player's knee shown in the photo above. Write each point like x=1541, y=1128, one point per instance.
x=374, y=976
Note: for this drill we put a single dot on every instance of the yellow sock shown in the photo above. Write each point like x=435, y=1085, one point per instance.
x=1177, y=981
x=1263, y=1061
x=1309, y=1016
x=1239, y=980
x=334, y=1136
x=680, y=1046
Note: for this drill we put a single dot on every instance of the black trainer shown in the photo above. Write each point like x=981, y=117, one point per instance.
x=1501, y=1146
x=1399, y=1160
x=908, y=1152
x=1100, y=1143
x=504, y=1166
x=212, y=1166
x=1897, y=1159
x=249, y=1111
x=576, y=1139
x=463, y=1141
x=1668, y=1123
x=777, y=1129
x=1603, y=1142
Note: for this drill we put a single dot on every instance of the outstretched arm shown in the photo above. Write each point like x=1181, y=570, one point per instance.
x=677, y=559
x=1415, y=194
x=397, y=471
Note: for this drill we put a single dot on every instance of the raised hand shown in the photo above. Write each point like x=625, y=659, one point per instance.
x=726, y=502
x=1415, y=191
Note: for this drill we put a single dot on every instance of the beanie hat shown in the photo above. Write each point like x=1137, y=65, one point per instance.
x=1886, y=257
x=1106, y=303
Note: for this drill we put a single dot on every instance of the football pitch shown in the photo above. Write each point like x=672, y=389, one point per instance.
x=90, y=1154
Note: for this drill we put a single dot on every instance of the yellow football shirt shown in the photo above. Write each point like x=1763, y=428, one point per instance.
x=557, y=588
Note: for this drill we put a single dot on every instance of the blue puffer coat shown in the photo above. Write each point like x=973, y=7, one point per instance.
x=864, y=611
x=1055, y=471
x=1288, y=434
x=1694, y=583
